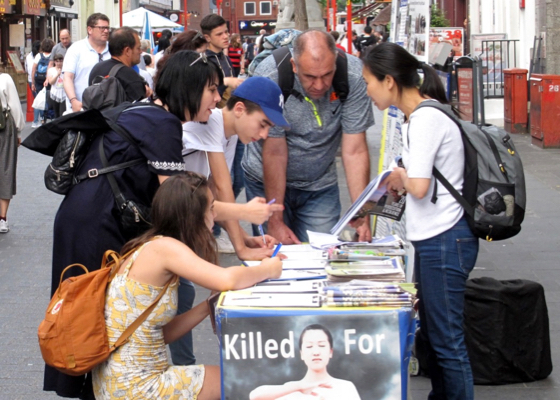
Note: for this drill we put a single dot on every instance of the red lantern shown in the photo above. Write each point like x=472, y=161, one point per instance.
x=158, y=35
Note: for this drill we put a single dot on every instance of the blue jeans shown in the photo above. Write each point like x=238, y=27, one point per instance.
x=441, y=266
x=304, y=210
x=182, y=349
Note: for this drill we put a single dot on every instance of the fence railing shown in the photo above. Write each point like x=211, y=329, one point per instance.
x=496, y=56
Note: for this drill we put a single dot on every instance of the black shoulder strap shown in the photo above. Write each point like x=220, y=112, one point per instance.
x=116, y=68
x=438, y=175
x=283, y=55
x=340, y=80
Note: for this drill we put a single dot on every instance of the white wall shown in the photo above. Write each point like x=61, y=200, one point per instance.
x=505, y=16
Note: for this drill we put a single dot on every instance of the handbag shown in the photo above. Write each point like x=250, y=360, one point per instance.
x=4, y=115
x=134, y=217
x=73, y=336
x=40, y=100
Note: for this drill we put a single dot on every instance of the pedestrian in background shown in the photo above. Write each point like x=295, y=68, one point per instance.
x=39, y=72
x=9, y=142
x=445, y=249
x=236, y=55
x=29, y=59
x=57, y=98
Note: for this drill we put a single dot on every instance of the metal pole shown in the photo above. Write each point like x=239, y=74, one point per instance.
x=186, y=15
x=349, y=24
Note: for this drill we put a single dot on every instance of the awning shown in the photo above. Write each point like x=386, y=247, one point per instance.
x=384, y=16
x=367, y=10
x=63, y=12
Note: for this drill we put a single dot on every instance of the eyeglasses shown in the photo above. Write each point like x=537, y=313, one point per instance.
x=197, y=36
x=58, y=60
x=101, y=28
x=202, y=57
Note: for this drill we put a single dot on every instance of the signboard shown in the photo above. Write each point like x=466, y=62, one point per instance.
x=453, y=36
x=256, y=25
x=363, y=354
x=14, y=61
x=32, y=7
x=465, y=92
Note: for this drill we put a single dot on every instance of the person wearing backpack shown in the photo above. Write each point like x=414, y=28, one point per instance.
x=297, y=166
x=124, y=46
x=445, y=247
x=40, y=68
x=180, y=243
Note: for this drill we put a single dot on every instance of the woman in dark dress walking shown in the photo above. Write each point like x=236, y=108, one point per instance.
x=87, y=223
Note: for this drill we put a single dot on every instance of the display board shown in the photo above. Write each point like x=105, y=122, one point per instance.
x=261, y=350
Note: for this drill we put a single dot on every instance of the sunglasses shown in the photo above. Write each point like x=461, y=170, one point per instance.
x=202, y=57
x=197, y=36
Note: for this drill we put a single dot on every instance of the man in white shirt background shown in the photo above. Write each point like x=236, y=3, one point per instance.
x=82, y=57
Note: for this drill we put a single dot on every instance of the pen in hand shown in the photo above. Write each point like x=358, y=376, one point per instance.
x=276, y=250
x=261, y=230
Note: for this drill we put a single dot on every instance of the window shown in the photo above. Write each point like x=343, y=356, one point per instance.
x=250, y=8
x=266, y=9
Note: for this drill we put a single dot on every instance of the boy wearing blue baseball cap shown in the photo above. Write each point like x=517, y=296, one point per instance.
x=209, y=148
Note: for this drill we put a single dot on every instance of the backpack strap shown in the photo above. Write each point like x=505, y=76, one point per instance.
x=286, y=78
x=113, y=72
x=437, y=174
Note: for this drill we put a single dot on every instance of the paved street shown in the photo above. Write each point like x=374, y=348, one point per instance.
x=25, y=259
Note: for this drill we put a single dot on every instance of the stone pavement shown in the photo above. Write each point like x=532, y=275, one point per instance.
x=25, y=265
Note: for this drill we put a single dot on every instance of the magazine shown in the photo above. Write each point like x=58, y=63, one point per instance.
x=374, y=199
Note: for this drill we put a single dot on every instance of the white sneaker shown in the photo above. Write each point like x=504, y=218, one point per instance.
x=4, y=227
x=224, y=245
x=35, y=124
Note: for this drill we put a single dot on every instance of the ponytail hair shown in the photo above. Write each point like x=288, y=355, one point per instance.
x=391, y=59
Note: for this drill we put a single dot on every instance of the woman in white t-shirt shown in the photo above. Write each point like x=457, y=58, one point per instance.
x=57, y=98
x=445, y=248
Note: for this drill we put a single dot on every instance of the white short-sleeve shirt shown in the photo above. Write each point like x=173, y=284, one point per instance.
x=430, y=138
x=80, y=60
x=199, y=138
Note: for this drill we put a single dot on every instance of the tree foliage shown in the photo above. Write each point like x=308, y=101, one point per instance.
x=437, y=17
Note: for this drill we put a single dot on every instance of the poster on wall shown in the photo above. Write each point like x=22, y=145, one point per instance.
x=453, y=36
x=331, y=357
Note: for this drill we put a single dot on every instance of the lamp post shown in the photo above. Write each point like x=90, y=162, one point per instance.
x=186, y=15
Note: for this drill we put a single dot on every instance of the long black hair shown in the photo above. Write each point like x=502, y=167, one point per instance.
x=181, y=81
x=179, y=211
x=391, y=59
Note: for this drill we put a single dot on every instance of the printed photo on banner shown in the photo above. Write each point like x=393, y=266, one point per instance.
x=330, y=357
x=453, y=36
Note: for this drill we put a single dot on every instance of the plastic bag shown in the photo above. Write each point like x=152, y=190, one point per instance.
x=39, y=102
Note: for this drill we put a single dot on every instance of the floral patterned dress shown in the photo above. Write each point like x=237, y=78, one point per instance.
x=140, y=369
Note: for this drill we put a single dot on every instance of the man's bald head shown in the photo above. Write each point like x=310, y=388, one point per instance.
x=314, y=44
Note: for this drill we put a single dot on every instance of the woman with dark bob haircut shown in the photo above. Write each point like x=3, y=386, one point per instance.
x=88, y=220
x=180, y=243
x=445, y=248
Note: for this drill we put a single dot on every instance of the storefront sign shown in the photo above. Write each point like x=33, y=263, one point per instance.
x=61, y=3
x=32, y=7
x=257, y=25
x=6, y=6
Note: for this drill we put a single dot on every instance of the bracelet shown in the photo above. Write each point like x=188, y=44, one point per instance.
x=73, y=98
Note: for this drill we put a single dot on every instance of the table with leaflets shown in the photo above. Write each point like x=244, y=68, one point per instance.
x=371, y=322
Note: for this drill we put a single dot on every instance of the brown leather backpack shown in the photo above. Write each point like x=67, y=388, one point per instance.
x=73, y=336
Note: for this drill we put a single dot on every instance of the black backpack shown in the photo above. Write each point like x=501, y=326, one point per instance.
x=105, y=91
x=68, y=139
x=494, y=195
x=283, y=55
x=41, y=71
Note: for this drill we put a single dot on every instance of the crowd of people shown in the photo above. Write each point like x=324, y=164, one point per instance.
x=205, y=133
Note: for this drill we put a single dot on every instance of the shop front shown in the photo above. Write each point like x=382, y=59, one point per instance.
x=251, y=28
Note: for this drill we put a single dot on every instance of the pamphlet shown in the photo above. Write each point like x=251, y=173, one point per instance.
x=374, y=199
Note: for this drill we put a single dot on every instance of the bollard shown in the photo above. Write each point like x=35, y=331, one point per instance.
x=29, y=114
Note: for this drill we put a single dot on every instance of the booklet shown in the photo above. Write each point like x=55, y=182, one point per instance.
x=374, y=199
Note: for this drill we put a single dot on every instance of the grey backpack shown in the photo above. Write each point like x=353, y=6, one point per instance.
x=494, y=194
x=105, y=91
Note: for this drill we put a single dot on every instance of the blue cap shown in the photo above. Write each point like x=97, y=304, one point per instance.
x=267, y=94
